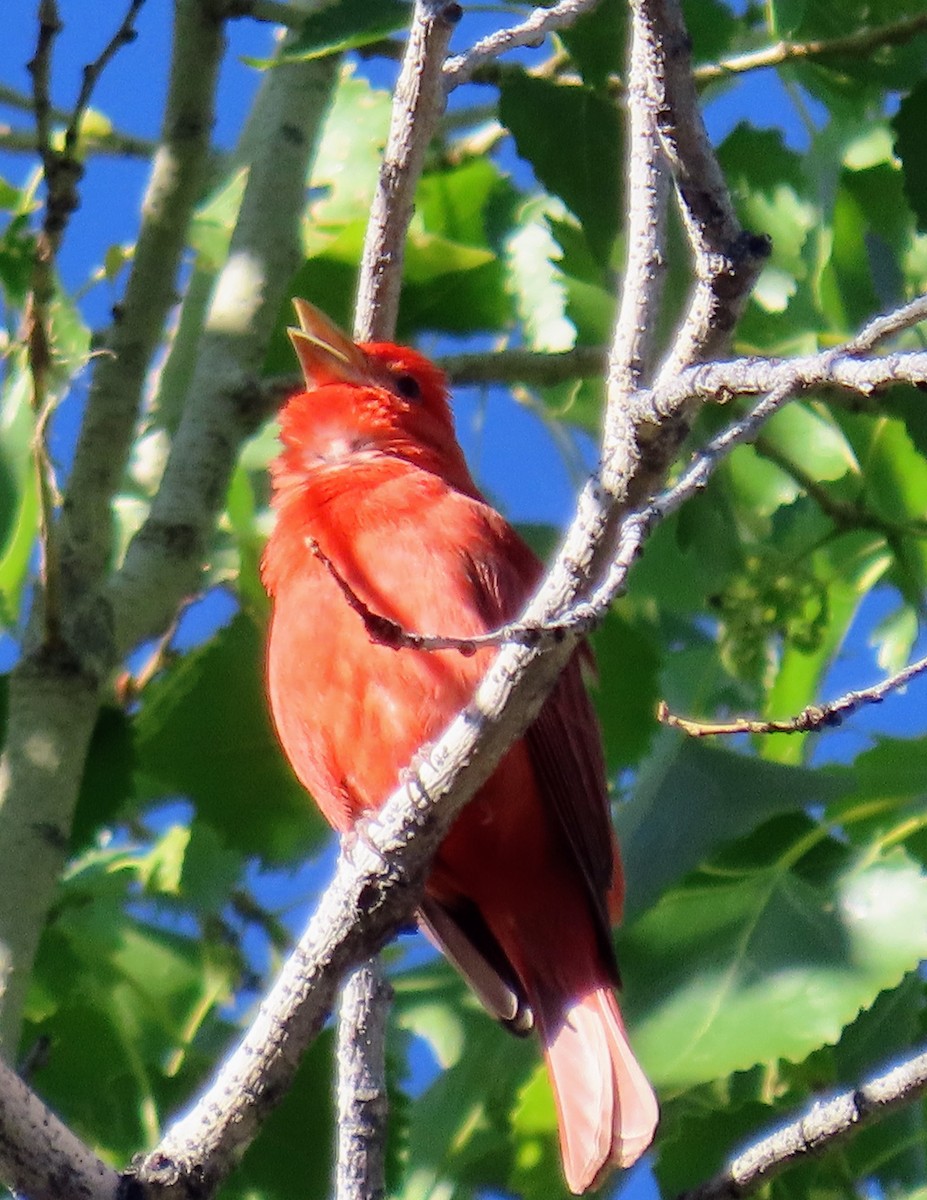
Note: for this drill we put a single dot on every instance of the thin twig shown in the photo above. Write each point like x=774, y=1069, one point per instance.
x=112, y=143
x=14, y=98
x=887, y=325
x=811, y=719
x=417, y=105
x=530, y=32
x=387, y=632
x=124, y=36
x=857, y=44
x=824, y=1125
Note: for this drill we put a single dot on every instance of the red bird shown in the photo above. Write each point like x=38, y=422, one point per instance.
x=522, y=889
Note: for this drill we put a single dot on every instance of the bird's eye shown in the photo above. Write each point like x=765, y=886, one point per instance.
x=408, y=387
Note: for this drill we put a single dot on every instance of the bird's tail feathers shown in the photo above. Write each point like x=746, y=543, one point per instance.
x=606, y=1108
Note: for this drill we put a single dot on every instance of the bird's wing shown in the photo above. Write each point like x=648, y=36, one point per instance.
x=564, y=740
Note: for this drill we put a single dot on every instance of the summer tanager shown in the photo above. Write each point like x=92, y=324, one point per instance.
x=375, y=504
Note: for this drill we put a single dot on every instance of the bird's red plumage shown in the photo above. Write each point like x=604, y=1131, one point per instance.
x=519, y=891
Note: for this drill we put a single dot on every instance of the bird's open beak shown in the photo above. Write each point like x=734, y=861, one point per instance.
x=326, y=355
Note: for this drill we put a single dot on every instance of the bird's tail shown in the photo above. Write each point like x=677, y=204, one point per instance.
x=606, y=1108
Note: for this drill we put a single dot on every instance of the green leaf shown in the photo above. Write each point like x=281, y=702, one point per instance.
x=344, y=172
x=908, y=124
x=214, y=220
x=738, y=967
x=809, y=437
x=9, y=196
x=465, y=203
x=769, y=183
x=454, y=289
x=848, y=567
x=460, y=1132
x=204, y=731
x=597, y=42
x=105, y=979
x=17, y=255
x=787, y=16
x=19, y=503
x=692, y=798
x=590, y=302
x=711, y=26
x=536, y=281
x=107, y=782
x=626, y=688
x=344, y=25
x=572, y=138
x=894, y=486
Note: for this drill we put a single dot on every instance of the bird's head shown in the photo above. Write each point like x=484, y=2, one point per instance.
x=361, y=398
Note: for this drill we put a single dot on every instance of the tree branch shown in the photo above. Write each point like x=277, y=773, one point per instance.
x=533, y=367
x=727, y=260
x=857, y=44
x=629, y=361
x=362, y=1104
x=417, y=104
x=810, y=720
x=529, y=32
x=40, y=1156
x=113, y=143
x=823, y=1126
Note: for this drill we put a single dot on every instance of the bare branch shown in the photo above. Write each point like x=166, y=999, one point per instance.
x=856, y=45
x=113, y=143
x=720, y=382
x=535, y=368
x=727, y=260
x=362, y=1106
x=417, y=104
x=882, y=327
x=40, y=1156
x=632, y=345
x=390, y=633
x=529, y=32
x=810, y=720
x=14, y=98
x=123, y=36
x=823, y=1126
